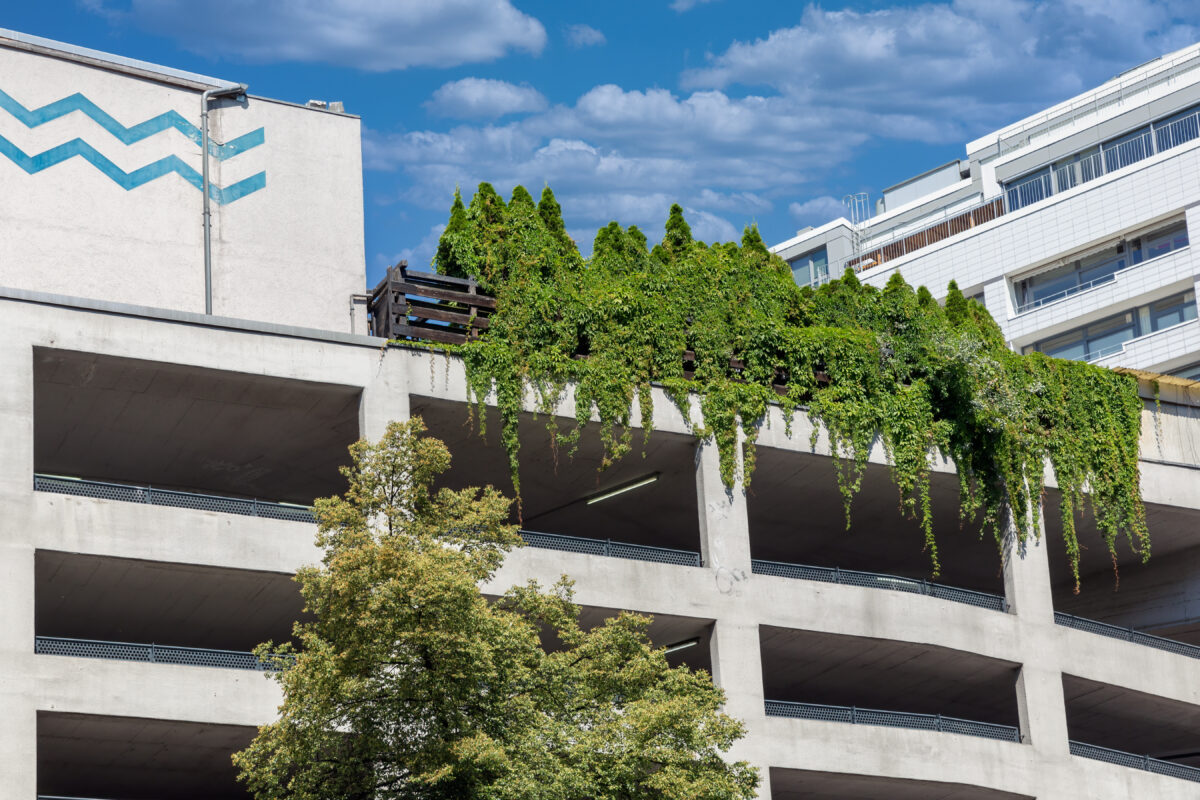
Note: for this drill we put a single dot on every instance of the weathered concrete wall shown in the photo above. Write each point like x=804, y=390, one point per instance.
x=724, y=591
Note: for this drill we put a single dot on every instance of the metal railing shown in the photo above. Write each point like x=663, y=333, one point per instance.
x=607, y=547
x=874, y=580
x=1157, y=137
x=1065, y=293
x=919, y=234
x=892, y=719
x=1105, y=352
x=153, y=653
x=1123, y=759
x=1126, y=634
x=1028, y=190
x=130, y=493
x=1020, y=135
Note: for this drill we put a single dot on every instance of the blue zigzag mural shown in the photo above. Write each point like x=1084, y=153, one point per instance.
x=143, y=130
x=128, y=135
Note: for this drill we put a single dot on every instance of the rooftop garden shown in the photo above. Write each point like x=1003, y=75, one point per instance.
x=727, y=322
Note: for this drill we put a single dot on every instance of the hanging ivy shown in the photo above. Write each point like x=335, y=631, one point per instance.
x=867, y=363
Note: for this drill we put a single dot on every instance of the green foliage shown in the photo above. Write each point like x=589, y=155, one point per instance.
x=408, y=683
x=894, y=367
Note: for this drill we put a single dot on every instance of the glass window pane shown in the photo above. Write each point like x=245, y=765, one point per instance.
x=1172, y=311
x=1048, y=284
x=1107, y=335
x=802, y=271
x=1100, y=267
x=1069, y=345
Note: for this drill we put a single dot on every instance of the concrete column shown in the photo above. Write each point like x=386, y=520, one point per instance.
x=385, y=396
x=764, y=782
x=1027, y=576
x=18, y=744
x=1041, y=707
x=737, y=667
x=18, y=719
x=724, y=525
x=16, y=499
x=1042, y=710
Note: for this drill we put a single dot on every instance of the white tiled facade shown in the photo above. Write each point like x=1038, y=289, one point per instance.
x=1130, y=200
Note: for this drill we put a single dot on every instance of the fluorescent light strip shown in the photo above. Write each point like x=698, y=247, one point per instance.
x=646, y=481
x=684, y=645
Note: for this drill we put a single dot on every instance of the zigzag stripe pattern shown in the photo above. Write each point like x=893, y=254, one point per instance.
x=128, y=180
x=143, y=130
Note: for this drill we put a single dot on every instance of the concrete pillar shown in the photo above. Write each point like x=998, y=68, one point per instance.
x=18, y=744
x=1027, y=576
x=724, y=524
x=16, y=495
x=385, y=396
x=737, y=667
x=18, y=719
x=1042, y=709
x=764, y=782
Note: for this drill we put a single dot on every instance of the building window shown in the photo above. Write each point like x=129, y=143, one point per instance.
x=1108, y=336
x=1097, y=268
x=810, y=269
x=1188, y=373
x=1172, y=311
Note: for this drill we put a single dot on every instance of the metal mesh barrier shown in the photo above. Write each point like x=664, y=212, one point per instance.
x=607, y=547
x=873, y=580
x=1121, y=758
x=1126, y=634
x=154, y=653
x=168, y=497
x=892, y=719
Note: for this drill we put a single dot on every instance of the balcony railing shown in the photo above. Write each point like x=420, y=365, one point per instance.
x=607, y=547
x=1076, y=289
x=153, y=653
x=1124, y=759
x=892, y=719
x=1126, y=634
x=949, y=223
x=1111, y=157
x=169, y=497
x=874, y=580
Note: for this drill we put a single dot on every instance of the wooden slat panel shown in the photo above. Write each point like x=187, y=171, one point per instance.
x=444, y=335
x=481, y=300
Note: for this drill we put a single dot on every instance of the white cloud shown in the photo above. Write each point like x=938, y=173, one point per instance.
x=687, y=5
x=818, y=211
x=626, y=155
x=484, y=97
x=420, y=255
x=374, y=35
x=941, y=72
x=708, y=227
x=765, y=121
x=584, y=36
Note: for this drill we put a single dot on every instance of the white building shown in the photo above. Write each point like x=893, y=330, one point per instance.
x=1072, y=226
x=150, y=454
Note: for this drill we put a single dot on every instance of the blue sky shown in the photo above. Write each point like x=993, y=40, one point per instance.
x=766, y=112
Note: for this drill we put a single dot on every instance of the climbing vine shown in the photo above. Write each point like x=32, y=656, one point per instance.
x=869, y=364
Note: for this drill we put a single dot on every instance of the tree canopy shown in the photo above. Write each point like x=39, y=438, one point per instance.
x=408, y=683
x=868, y=364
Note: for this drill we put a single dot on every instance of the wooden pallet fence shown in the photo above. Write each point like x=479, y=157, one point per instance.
x=425, y=306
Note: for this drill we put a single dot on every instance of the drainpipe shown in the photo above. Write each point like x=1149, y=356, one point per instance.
x=230, y=90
